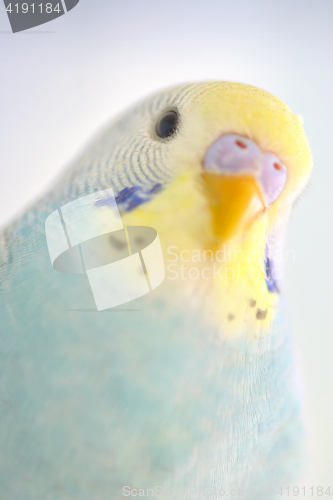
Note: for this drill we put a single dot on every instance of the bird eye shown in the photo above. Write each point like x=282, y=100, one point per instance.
x=167, y=124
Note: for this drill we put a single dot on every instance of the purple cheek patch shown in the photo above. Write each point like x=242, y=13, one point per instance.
x=235, y=154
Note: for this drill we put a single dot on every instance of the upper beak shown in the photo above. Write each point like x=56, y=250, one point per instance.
x=235, y=200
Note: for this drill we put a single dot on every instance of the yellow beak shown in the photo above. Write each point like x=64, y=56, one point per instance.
x=234, y=200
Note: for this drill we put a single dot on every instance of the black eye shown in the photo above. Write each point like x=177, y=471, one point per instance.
x=167, y=125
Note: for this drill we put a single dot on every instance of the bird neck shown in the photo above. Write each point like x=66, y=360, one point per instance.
x=236, y=286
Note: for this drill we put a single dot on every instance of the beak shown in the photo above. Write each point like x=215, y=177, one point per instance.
x=235, y=200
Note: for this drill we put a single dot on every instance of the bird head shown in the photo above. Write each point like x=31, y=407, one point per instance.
x=215, y=168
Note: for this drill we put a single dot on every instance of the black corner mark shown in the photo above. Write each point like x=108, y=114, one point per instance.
x=70, y=4
x=25, y=15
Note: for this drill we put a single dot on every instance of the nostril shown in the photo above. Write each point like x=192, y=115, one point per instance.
x=277, y=166
x=236, y=153
x=241, y=144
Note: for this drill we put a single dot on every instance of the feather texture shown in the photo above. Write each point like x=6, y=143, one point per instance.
x=156, y=392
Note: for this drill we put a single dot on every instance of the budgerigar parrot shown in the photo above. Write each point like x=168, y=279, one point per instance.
x=189, y=390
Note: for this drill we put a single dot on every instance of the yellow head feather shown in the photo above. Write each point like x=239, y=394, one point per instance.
x=181, y=213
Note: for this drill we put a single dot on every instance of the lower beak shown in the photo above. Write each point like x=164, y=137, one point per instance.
x=234, y=200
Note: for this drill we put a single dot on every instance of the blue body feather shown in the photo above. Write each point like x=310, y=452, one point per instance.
x=143, y=395
x=138, y=396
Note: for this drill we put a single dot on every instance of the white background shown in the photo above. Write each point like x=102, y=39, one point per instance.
x=62, y=81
